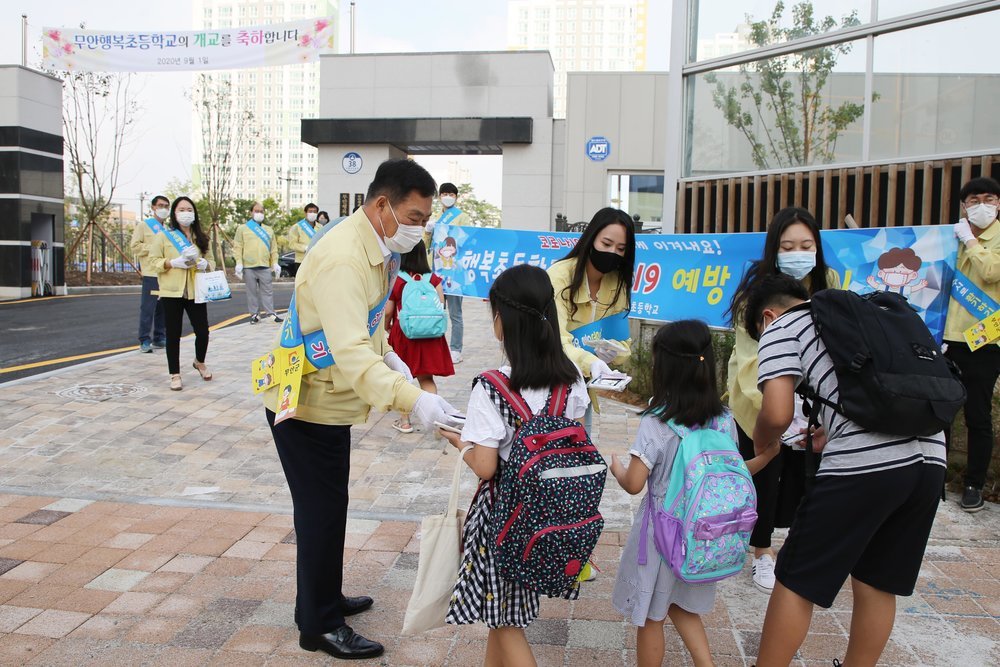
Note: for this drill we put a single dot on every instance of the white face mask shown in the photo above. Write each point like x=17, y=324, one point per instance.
x=896, y=279
x=405, y=238
x=982, y=215
x=161, y=213
x=447, y=201
x=310, y=217
x=184, y=218
x=797, y=263
x=258, y=217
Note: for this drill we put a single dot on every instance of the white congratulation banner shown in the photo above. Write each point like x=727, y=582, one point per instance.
x=164, y=51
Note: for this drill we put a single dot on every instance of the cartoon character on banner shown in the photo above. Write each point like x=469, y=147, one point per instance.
x=447, y=253
x=898, y=271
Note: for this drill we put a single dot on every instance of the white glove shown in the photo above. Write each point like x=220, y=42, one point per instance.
x=201, y=264
x=277, y=270
x=239, y=270
x=431, y=408
x=393, y=361
x=190, y=252
x=180, y=263
x=963, y=231
x=600, y=368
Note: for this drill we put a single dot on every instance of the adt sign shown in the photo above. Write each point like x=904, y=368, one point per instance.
x=598, y=149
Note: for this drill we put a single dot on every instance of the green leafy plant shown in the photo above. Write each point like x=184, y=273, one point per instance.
x=779, y=103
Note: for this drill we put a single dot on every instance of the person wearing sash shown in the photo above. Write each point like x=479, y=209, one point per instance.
x=978, y=267
x=302, y=232
x=178, y=254
x=792, y=247
x=451, y=214
x=150, y=308
x=336, y=314
x=593, y=285
x=256, y=257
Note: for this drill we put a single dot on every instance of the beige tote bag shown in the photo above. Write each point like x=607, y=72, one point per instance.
x=440, y=560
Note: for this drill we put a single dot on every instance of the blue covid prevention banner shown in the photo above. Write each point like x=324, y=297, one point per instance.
x=682, y=276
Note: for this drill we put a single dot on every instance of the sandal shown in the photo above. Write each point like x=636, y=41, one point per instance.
x=203, y=371
x=398, y=425
x=175, y=383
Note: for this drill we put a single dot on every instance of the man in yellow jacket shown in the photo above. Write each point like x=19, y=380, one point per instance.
x=256, y=257
x=340, y=292
x=302, y=232
x=978, y=233
x=150, y=308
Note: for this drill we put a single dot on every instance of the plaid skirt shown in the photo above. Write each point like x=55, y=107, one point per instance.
x=480, y=593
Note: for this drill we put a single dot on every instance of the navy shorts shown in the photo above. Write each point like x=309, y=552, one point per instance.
x=872, y=526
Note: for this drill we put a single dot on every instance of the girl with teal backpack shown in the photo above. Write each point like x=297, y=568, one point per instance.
x=416, y=322
x=693, y=526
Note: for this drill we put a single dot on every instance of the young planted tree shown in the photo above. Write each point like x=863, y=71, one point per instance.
x=99, y=112
x=227, y=126
x=779, y=103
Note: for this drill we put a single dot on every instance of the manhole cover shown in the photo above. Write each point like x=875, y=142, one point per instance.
x=101, y=392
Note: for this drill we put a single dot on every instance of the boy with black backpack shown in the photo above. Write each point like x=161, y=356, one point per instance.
x=880, y=393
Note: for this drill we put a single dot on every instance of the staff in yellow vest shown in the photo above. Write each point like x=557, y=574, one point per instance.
x=301, y=233
x=150, y=308
x=178, y=254
x=793, y=247
x=340, y=293
x=256, y=252
x=978, y=266
x=593, y=287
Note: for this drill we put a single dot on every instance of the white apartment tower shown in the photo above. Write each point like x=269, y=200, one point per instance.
x=277, y=164
x=581, y=35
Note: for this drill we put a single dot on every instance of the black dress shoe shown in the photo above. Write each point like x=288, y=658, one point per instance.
x=343, y=643
x=352, y=606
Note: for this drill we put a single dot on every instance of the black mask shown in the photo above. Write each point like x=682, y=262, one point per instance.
x=605, y=262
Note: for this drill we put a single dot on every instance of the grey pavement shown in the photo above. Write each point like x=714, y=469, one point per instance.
x=109, y=437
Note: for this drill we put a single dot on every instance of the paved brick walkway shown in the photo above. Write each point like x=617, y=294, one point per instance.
x=143, y=526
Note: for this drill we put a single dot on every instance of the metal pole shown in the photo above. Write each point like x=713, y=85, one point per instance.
x=675, y=114
x=24, y=40
x=352, y=26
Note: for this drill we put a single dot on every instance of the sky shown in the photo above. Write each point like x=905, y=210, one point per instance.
x=160, y=149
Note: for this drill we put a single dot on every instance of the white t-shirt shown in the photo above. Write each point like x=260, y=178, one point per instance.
x=484, y=425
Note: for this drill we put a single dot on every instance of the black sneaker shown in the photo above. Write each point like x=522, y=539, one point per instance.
x=972, y=499
x=255, y=318
x=277, y=318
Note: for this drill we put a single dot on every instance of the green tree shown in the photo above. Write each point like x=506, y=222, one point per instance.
x=778, y=105
x=481, y=212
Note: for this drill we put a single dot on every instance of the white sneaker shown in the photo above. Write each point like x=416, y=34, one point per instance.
x=456, y=357
x=763, y=573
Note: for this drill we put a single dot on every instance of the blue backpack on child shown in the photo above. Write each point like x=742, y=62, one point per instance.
x=421, y=313
x=702, y=530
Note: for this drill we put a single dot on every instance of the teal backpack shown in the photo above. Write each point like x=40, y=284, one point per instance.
x=421, y=313
x=702, y=530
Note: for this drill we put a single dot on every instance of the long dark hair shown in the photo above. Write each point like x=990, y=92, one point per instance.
x=523, y=298
x=415, y=261
x=581, y=251
x=768, y=264
x=684, y=374
x=200, y=238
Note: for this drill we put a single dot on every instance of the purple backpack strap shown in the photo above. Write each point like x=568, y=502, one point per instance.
x=647, y=516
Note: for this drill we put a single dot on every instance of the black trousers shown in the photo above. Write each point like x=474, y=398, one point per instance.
x=780, y=486
x=173, y=315
x=316, y=459
x=979, y=375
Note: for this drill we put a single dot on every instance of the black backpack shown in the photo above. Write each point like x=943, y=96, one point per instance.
x=891, y=374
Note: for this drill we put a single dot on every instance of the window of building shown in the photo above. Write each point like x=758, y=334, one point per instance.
x=638, y=195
